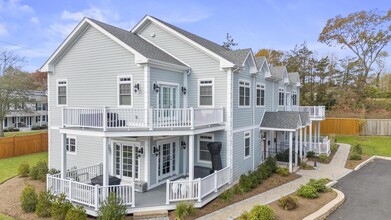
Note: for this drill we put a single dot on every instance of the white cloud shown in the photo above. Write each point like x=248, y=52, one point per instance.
x=15, y=8
x=189, y=14
x=92, y=12
x=63, y=29
x=3, y=30
x=34, y=20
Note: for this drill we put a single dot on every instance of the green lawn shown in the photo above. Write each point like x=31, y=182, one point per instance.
x=371, y=145
x=4, y=217
x=9, y=166
x=23, y=133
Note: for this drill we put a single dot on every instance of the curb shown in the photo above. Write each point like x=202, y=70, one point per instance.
x=370, y=160
x=329, y=208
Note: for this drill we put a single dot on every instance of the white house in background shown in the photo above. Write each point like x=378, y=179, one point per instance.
x=28, y=115
x=135, y=110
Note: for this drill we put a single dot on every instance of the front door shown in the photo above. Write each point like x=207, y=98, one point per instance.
x=167, y=160
x=126, y=160
x=168, y=101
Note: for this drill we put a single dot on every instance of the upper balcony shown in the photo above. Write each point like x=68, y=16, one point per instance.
x=315, y=112
x=141, y=119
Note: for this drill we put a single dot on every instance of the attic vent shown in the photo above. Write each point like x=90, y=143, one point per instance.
x=153, y=35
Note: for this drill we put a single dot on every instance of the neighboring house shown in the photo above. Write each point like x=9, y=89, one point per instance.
x=142, y=105
x=28, y=115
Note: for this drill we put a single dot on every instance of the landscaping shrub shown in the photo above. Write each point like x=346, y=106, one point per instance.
x=310, y=154
x=28, y=199
x=334, y=148
x=184, y=209
x=24, y=169
x=307, y=192
x=357, y=149
x=53, y=171
x=112, y=208
x=39, y=171
x=60, y=208
x=261, y=212
x=33, y=174
x=288, y=202
x=263, y=171
x=354, y=156
x=236, y=189
x=44, y=204
x=244, y=216
x=305, y=166
x=245, y=183
x=227, y=195
x=76, y=213
x=271, y=164
x=318, y=185
x=283, y=171
x=323, y=158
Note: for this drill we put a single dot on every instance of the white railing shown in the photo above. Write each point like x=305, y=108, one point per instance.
x=85, y=174
x=182, y=190
x=314, y=111
x=87, y=194
x=107, y=118
x=322, y=147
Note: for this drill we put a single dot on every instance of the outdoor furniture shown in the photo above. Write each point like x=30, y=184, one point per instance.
x=98, y=180
x=214, y=150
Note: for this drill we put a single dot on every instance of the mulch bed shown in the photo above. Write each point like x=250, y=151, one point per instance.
x=305, y=206
x=329, y=159
x=351, y=164
x=274, y=181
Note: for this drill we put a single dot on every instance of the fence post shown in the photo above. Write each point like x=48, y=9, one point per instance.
x=14, y=146
x=133, y=196
x=215, y=180
x=168, y=192
x=105, y=118
x=199, y=189
x=96, y=197
x=192, y=118
x=70, y=190
x=150, y=111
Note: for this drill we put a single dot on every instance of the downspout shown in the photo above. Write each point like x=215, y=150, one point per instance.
x=253, y=118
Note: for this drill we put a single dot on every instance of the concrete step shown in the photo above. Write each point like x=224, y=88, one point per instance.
x=151, y=215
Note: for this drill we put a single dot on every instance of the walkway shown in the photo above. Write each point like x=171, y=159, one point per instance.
x=334, y=171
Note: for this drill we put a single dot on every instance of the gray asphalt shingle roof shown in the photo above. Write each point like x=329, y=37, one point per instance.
x=259, y=61
x=235, y=56
x=139, y=44
x=277, y=71
x=284, y=120
x=294, y=77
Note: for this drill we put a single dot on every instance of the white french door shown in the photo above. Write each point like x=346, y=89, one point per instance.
x=168, y=100
x=167, y=161
x=126, y=161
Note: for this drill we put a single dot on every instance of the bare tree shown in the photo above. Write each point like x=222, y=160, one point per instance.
x=229, y=43
x=9, y=59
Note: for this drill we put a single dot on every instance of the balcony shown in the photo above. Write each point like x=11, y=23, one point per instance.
x=140, y=118
x=315, y=112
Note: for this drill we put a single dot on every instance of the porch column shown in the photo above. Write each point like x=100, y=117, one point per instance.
x=191, y=157
x=296, y=147
x=318, y=131
x=63, y=156
x=301, y=144
x=310, y=136
x=290, y=151
x=305, y=139
x=105, y=161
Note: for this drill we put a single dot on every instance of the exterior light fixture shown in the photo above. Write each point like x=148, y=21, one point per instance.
x=184, y=90
x=136, y=87
x=156, y=87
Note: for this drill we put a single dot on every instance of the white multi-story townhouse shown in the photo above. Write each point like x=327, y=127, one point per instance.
x=133, y=112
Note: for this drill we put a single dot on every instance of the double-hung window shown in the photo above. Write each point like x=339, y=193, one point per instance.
x=260, y=95
x=247, y=137
x=62, y=92
x=71, y=145
x=125, y=91
x=294, y=98
x=244, y=93
x=203, y=141
x=205, y=92
x=281, y=95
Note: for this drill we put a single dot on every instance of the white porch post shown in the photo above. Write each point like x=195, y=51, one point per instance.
x=191, y=157
x=63, y=156
x=290, y=152
x=296, y=147
x=301, y=144
x=311, y=136
x=305, y=138
x=147, y=159
x=105, y=161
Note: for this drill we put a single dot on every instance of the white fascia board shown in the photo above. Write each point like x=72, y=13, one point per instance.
x=276, y=129
x=165, y=65
x=224, y=63
x=253, y=69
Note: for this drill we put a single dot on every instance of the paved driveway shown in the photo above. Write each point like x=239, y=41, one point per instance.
x=367, y=191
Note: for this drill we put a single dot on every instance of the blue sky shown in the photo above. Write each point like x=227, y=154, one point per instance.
x=35, y=28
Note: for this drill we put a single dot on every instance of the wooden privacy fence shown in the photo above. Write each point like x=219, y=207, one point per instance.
x=373, y=127
x=22, y=145
x=355, y=126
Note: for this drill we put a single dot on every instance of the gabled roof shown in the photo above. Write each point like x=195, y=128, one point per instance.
x=237, y=56
x=294, y=78
x=284, y=120
x=139, y=44
x=143, y=50
x=233, y=57
x=259, y=61
x=278, y=71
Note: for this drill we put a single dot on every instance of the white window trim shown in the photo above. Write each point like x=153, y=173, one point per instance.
x=261, y=87
x=283, y=91
x=69, y=152
x=294, y=93
x=249, y=86
x=66, y=87
x=199, y=93
x=113, y=163
x=131, y=91
x=246, y=134
x=199, y=147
